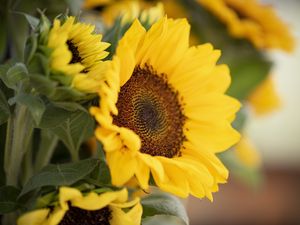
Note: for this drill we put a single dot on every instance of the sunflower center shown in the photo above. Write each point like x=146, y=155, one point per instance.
x=75, y=53
x=150, y=107
x=75, y=216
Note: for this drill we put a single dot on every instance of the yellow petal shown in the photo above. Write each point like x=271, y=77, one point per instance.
x=247, y=153
x=142, y=174
x=122, y=166
x=264, y=98
x=56, y=216
x=154, y=164
x=66, y=194
x=94, y=201
x=133, y=217
x=37, y=217
x=217, y=136
x=175, y=180
x=127, y=48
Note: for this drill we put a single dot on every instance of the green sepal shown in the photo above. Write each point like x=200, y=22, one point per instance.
x=46, y=200
x=30, y=48
x=62, y=78
x=65, y=93
x=33, y=21
x=44, y=28
x=40, y=61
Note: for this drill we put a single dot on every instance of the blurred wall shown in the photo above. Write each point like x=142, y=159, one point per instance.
x=277, y=135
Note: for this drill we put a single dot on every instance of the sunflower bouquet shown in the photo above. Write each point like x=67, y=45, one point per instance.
x=110, y=115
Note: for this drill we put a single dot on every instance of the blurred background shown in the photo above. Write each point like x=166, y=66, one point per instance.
x=276, y=200
x=274, y=197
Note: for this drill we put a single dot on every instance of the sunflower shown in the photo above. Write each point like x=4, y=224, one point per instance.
x=130, y=10
x=77, y=52
x=264, y=98
x=163, y=111
x=75, y=208
x=251, y=20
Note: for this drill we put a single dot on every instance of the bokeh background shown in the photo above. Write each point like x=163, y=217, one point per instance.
x=276, y=200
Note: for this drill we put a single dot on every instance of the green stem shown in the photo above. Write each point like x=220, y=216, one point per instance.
x=46, y=149
x=18, y=137
x=27, y=167
x=9, y=218
x=8, y=143
x=74, y=156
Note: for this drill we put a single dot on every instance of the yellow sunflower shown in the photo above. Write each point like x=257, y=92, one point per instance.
x=74, y=208
x=264, y=98
x=251, y=20
x=130, y=10
x=77, y=52
x=163, y=111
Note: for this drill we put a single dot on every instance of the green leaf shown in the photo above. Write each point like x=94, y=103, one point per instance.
x=47, y=145
x=4, y=108
x=14, y=75
x=246, y=74
x=42, y=84
x=100, y=176
x=163, y=220
x=163, y=204
x=70, y=106
x=75, y=130
x=34, y=103
x=3, y=70
x=53, y=116
x=67, y=94
x=8, y=199
x=60, y=174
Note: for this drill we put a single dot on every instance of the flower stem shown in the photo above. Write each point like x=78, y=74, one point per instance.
x=46, y=149
x=19, y=132
x=74, y=156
